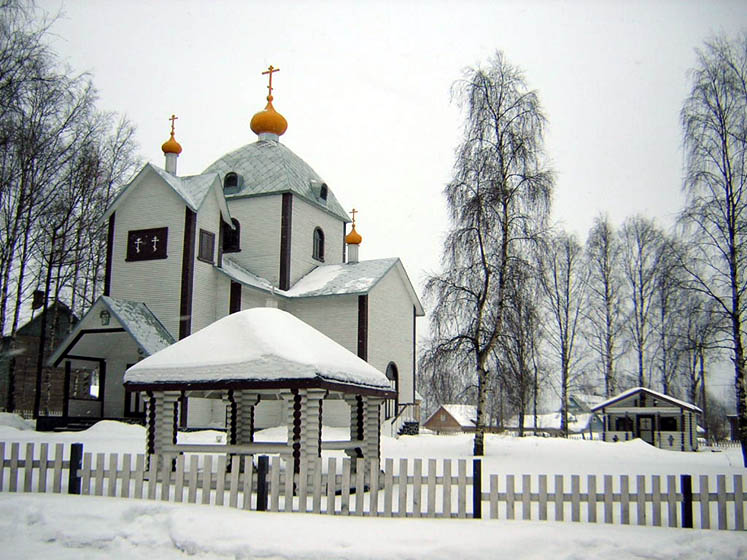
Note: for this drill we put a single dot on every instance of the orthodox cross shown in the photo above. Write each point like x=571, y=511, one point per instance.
x=354, y=212
x=269, y=71
x=172, y=119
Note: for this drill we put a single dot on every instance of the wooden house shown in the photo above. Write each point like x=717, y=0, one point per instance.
x=452, y=418
x=657, y=419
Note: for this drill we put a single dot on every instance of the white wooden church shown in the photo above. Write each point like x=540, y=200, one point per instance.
x=258, y=228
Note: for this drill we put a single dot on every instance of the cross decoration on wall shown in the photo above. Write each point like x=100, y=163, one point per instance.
x=147, y=244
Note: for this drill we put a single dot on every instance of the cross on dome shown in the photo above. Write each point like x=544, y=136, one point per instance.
x=172, y=119
x=353, y=238
x=171, y=146
x=269, y=124
x=269, y=71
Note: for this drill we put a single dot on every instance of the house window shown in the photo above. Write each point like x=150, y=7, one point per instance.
x=318, y=244
x=668, y=424
x=393, y=376
x=207, y=246
x=231, y=182
x=231, y=237
x=623, y=424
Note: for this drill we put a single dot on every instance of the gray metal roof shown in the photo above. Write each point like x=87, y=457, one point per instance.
x=341, y=279
x=268, y=167
x=140, y=322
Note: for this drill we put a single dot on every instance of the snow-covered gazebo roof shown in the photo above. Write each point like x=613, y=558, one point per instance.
x=261, y=348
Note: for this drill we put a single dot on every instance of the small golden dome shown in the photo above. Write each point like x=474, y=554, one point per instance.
x=269, y=120
x=171, y=146
x=353, y=238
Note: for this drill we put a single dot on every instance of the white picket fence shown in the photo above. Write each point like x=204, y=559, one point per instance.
x=441, y=488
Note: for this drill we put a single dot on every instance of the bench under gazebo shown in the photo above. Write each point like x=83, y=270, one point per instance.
x=255, y=355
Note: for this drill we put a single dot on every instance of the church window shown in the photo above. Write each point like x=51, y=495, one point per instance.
x=147, y=244
x=231, y=182
x=391, y=405
x=231, y=237
x=207, y=246
x=318, y=244
x=323, y=191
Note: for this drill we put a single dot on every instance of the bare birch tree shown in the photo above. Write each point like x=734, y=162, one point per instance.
x=497, y=200
x=714, y=120
x=604, y=313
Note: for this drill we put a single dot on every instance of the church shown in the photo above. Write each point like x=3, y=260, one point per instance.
x=258, y=228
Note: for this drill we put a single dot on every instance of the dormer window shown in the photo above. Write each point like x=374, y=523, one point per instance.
x=323, y=191
x=231, y=182
x=318, y=253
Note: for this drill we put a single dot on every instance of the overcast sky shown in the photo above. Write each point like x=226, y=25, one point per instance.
x=365, y=87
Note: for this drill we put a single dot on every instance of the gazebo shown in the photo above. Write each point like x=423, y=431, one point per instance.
x=259, y=354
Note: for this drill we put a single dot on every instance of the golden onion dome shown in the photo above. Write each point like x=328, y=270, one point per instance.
x=269, y=120
x=353, y=238
x=171, y=146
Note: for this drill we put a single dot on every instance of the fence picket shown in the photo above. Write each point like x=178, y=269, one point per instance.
x=28, y=466
x=124, y=489
x=233, y=482
x=493, y=496
x=98, y=481
x=705, y=506
x=462, y=489
x=608, y=498
x=672, y=500
x=153, y=476
x=85, y=483
x=417, y=476
x=2, y=464
x=207, y=478
x=179, y=482
x=165, y=478
x=388, y=476
x=721, y=497
x=526, y=497
x=303, y=476
x=41, y=485
x=447, y=488
x=275, y=484
x=624, y=499
x=331, y=485
x=640, y=498
x=316, y=501
x=402, y=487
x=345, y=494
x=139, y=475
x=591, y=508
x=112, y=480
x=220, y=483
x=543, y=497
x=59, y=450
x=738, y=503
x=373, y=507
x=360, y=471
x=558, y=498
x=510, y=496
x=575, y=498
x=248, y=481
x=432, y=466
x=656, y=499
x=289, y=484
x=13, y=482
x=192, y=492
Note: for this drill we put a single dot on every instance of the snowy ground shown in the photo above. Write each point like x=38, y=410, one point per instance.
x=33, y=525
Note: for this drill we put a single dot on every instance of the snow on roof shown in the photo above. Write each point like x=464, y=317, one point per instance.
x=140, y=322
x=241, y=275
x=260, y=344
x=551, y=421
x=464, y=414
x=193, y=189
x=338, y=279
x=268, y=167
x=653, y=393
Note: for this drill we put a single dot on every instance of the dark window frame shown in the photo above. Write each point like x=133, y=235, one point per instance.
x=231, y=242
x=206, y=252
x=231, y=181
x=318, y=244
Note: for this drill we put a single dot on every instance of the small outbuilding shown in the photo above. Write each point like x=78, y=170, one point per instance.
x=256, y=355
x=657, y=419
x=453, y=418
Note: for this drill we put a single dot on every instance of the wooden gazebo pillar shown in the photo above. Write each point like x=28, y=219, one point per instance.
x=240, y=416
x=161, y=420
x=304, y=408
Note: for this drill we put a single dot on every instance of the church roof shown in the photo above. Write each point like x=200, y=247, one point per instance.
x=257, y=346
x=269, y=167
x=193, y=189
x=241, y=275
x=341, y=279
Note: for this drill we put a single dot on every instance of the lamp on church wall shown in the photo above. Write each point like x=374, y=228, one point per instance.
x=104, y=316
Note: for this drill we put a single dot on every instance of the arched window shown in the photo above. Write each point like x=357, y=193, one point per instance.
x=318, y=253
x=230, y=181
x=392, y=374
x=231, y=237
x=323, y=191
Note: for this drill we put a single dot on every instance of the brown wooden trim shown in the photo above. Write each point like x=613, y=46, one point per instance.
x=80, y=335
x=344, y=245
x=109, y=256
x=414, y=352
x=363, y=327
x=102, y=384
x=234, y=301
x=188, y=269
x=66, y=389
x=286, y=219
x=247, y=384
